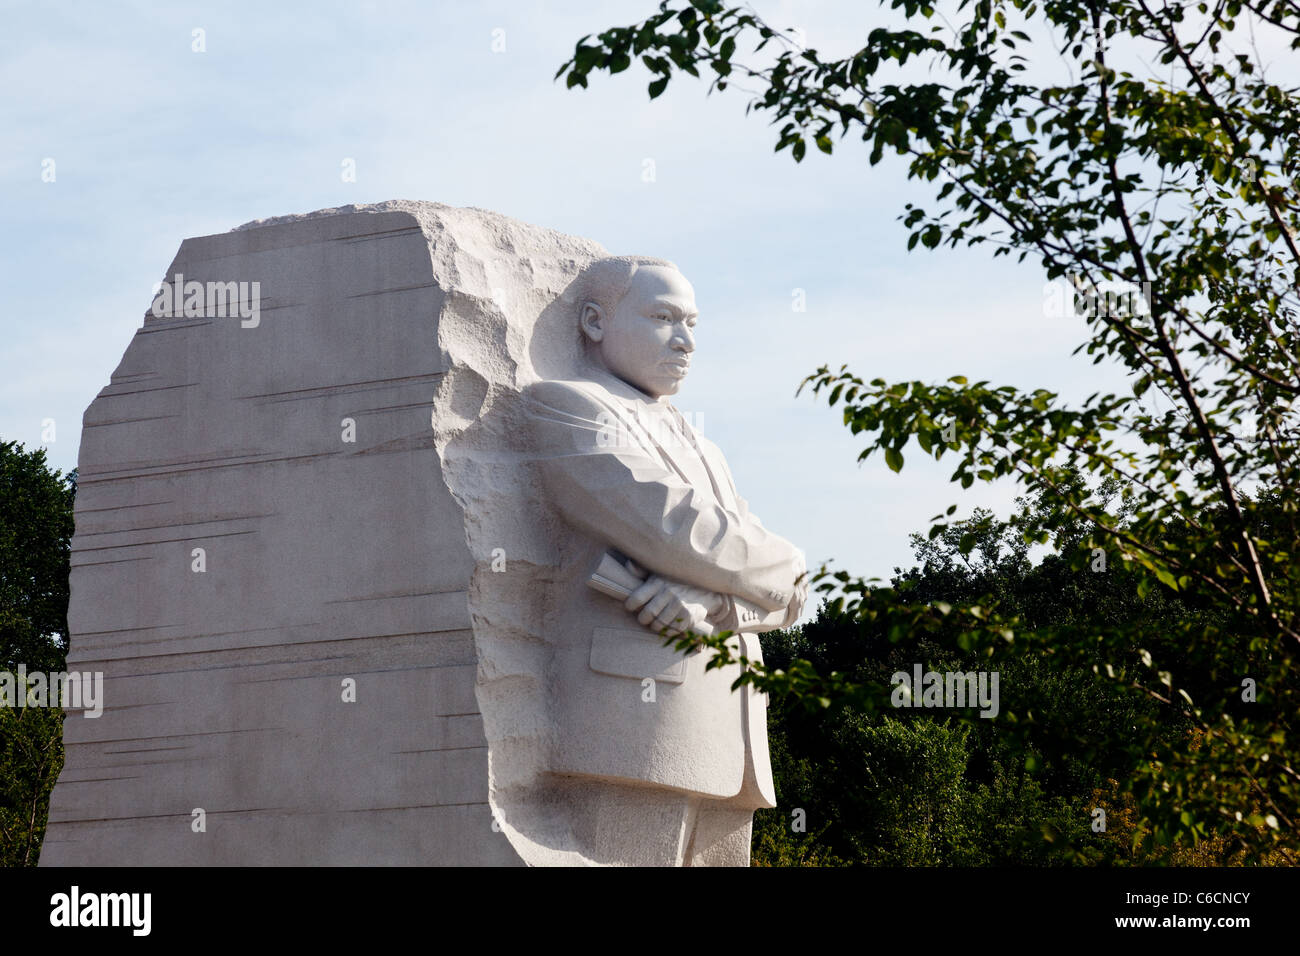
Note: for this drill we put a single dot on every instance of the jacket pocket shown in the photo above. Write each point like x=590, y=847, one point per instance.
x=624, y=652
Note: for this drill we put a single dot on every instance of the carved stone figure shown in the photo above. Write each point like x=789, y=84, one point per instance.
x=653, y=759
x=337, y=552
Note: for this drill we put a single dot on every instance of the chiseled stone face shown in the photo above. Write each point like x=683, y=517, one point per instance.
x=649, y=339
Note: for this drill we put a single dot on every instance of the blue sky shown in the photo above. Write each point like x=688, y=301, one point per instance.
x=153, y=143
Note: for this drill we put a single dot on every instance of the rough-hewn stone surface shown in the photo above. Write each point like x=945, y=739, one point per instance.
x=325, y=559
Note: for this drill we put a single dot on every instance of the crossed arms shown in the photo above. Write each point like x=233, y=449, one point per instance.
x=708, y=563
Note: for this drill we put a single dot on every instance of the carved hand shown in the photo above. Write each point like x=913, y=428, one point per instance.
x=664, y=603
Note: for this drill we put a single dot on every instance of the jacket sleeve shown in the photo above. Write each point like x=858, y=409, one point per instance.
x=609, y=485
x=741, y=616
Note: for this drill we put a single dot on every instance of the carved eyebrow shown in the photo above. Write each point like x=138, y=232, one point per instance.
x=675, y=310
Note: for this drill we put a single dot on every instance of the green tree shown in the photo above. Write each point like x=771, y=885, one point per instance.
x=35, y=536
x=927, y=787
x=1166, y=164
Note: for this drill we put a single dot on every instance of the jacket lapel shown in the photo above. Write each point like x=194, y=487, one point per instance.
x=655, y=426
x=682, y=451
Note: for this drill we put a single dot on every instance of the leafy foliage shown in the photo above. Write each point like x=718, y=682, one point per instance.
x=35, y=537
x=946, y=787
x=1165, y=162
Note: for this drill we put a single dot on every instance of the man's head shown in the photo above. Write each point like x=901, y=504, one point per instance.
x=637, y=314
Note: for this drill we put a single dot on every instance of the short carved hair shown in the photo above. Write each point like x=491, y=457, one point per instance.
x=606, y=281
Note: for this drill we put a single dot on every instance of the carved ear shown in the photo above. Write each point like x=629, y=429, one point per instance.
x=593, y=321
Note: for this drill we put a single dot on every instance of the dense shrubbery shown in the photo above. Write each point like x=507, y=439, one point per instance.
x=922, y=787
x=35, y=537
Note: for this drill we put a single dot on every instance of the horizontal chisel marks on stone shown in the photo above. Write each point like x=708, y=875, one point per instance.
x=142, y=504
x=92, y=564
x=397, y=594
x=400, y=288
x=109, y=392
x=385, y=234
x=154, y=323
x=348, y=387
x=417, y=806
x=165, y=816
x=399, y=445
x=197, y=733
x=140, y=651
x=215, y=519
x=428, y=670
x=82, y=549
x=214, y=253
x=405, y=407
x=165, y=470
x=128, y=421
x=126, y=630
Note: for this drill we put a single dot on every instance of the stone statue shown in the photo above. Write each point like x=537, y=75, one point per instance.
x=653, y=760
x=338, y=549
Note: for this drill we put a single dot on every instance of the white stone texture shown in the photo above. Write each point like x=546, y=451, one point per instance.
x=441, y=561
x=324, y=560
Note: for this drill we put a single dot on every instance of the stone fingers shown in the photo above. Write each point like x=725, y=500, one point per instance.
x=654, y=585
x=655, y=606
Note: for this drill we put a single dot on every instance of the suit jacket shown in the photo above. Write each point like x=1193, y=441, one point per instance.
x=627, y=473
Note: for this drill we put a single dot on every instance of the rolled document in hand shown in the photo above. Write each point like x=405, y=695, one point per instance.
x=616, y=579
x=612, y=577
